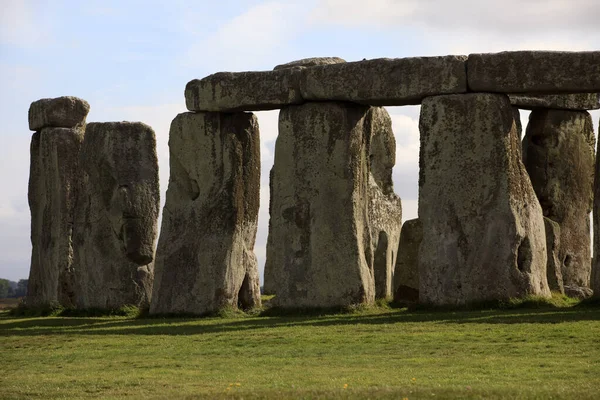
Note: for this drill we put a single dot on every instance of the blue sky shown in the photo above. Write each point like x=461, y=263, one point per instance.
x=131, y=60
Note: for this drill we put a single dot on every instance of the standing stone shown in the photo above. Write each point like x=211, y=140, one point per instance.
x=595, y=278
x=406, y=275
x=553, y=266
x=483, y=228
x=205, y=258
x=319, y=246
x=116, y=217
x=385, y=207
x=53, y=183
x=558, y=152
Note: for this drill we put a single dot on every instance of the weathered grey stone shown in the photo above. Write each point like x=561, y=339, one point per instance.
x=244, y=91
x=575, y=102
x=319, y=246
x=535, y=72
x=578, y=292
x=385, y=207
x=311, y=62
x=60, y=112
x=385, y=82
x=553, y=266
x=595, y=275
x=483, y=228
x=558, y=152
x=205, y=258
x=53, y=183
x=116, y=216
x=518, y=125
x=406, y=274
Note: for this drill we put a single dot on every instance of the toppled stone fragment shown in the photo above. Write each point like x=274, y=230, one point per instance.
x=535, y=72
x=385, y=207
x=53, y=184
x=244, y=91
x=384, y=81
x=578, y=292
x=574, y=102
x=406, y=274
x=60, y=112
x=116, y=217
x=553, y=266
x=558, y=152
x=319, y=246
x=310, y=62
x=483, y=228
x=205, y=258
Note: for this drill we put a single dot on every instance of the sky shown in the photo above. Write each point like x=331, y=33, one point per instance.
x=131, y=60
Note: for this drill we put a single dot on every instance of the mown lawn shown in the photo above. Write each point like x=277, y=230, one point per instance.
x=550, y=353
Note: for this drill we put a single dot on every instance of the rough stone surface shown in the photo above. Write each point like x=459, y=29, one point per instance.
x=595, y=278
x=535, y=72
x=406, y=274
x=205, y=258
x=579, y=292
x=244, y=91
x=53, y=183
x=60, y=112
x=385, y=207
x=558, y=152
x=575, y=102
x=311, y=62
x=553, y=266
x=319, y=246
x=116, y=216
x=385, y=82
x=518, y=125
x=483, y=228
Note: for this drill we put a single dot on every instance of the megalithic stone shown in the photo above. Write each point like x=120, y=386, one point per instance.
x=54, y=179
x=406, y=274
x=558, y=152
x=553, y=266
x=483, y=228
x=595, y=275
x=385, y=207
x=319, y=246
x=53, y=183
x=116, y=217
x=205, y=258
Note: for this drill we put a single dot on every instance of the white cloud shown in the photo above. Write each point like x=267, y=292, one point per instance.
x=20, y=25
x=248, y=40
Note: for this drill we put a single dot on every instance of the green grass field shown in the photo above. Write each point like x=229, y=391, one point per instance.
x=542, y=353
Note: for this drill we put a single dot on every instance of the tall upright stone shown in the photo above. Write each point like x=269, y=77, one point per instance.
x=483, y=228
x=116, y=217
x=319, y=250
x=54, y=179
x=595, y=275
x=553, y=265
x=406, y=274
x=385, y=207
x=205, y=258
x=558, y=152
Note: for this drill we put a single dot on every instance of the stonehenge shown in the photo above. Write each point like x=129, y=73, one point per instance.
x=558, y=152
x=116, y=217
x=498, y=217
x=483, y=228
x=205, y=257
x=53, y=182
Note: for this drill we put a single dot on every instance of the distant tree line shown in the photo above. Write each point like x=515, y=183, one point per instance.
x=13, y=289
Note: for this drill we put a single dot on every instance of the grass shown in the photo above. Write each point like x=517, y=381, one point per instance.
x=530, y=349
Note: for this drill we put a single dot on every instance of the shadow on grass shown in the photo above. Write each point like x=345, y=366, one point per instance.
x=196, y=326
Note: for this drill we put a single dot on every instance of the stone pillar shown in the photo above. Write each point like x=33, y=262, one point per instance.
x=54, y=179
x=553, y=266
x=319, y=250
x=483, y=228
x=595, y=275
x=205, y=257
x=406, y=274
x=558, y=152
x=116, y=217
x=385, y=207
